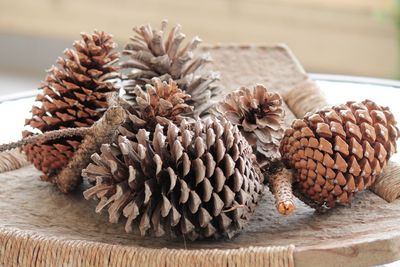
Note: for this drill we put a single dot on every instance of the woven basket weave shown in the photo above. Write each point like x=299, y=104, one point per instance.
x=41, y=227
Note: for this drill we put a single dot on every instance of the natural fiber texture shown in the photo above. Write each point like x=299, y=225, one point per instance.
x=46, y=137
x=151, y=54
x=69, y=217
x=360, y=242
x=281, y=187
x=18, y=248
x=197, y=181
x=339, y=151
x=305, y=97
x=387, y=185
x=259, y=115
x=74, y=94
x=161, y=103
x=102, y=131
x=12, y=160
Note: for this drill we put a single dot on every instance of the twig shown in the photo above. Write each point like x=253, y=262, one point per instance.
x=281, y=187
x=47, y=136
x=102, y=132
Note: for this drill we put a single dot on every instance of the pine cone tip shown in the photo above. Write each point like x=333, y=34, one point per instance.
x=286, y=207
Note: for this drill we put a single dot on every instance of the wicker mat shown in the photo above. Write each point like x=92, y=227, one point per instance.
x=39, y=225
x=18, y=248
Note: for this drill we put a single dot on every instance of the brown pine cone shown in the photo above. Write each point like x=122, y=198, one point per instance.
x=259, y=115
x=74, y=94
x=161, y=103
x=339, y=151
x=196, y=181
x=153, y=54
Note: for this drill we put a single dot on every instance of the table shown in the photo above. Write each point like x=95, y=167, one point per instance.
x=338, y=89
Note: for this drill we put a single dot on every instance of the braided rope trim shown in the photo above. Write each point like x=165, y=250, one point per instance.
x=387, y=185
x=12, y=160
x=305, y=97
x=21, y=248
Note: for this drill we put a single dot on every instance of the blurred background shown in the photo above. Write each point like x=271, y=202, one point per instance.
x=353, y=37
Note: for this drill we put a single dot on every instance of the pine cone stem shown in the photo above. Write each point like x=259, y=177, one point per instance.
x=281, y=187
x=102, y=132
x=47, y=136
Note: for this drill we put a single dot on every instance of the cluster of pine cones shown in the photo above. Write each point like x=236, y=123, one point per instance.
x=187, y=162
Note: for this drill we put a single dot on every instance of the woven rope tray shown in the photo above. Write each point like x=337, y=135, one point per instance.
x=39, y=226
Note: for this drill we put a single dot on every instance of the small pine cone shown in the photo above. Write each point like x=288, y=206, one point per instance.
x=197, y=181
x=73, y=95
x=339, y=151
x=259, y=115
x=152, y=54
x=161, y=103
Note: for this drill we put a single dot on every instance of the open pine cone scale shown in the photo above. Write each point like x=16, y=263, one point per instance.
x=155, y=54
x=198, y=181
x=161, y=103
x=259, y=115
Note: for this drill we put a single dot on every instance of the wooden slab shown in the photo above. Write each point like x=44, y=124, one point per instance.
x=368, y=233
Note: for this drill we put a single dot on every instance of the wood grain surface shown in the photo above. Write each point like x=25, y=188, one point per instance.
x=366, y=233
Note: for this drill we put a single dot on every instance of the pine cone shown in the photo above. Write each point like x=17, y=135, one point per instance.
x=195, y=181
x=161, y=103
x=259, y=115
x=151, y=55
x=73, y=95
x=339, y=151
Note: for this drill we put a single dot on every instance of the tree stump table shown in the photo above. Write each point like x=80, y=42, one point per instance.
x=39, y=226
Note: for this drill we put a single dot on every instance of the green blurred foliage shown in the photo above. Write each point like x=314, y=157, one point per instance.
x=392, y=15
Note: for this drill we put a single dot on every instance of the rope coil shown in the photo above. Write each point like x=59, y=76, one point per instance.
x=22, y=248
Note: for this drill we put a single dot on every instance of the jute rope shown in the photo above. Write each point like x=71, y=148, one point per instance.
x=12, y=160
x=387, y=185
x=305, y=97
x=20, y=248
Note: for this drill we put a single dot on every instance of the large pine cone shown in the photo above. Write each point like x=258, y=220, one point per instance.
x=74, y=94
x=259, y=115
x=339, y=151
x=152, y=54
x=195, y=181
